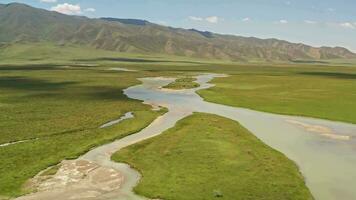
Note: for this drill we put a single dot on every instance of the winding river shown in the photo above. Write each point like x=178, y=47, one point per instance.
x=325, y=151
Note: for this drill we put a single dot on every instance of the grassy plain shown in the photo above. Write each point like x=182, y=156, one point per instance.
x=314, y=93
x=306, y=89
x=205, y=156
x=62, y=94
x=61, y=107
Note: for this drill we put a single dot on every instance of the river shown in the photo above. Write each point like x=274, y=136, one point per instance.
x=325, y=151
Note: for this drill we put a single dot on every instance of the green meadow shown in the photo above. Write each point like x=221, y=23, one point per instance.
x=57, y=97
x=209, y=157
x=328, y=93
x=60, y=109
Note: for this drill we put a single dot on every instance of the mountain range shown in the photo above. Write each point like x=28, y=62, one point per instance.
x=23, y=23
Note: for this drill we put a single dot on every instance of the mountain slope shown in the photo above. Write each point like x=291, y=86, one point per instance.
x=22, y=23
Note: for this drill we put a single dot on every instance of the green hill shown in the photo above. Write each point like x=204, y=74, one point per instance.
x=22, y=23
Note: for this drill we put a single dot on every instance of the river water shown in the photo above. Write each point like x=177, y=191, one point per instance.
x=325, y=151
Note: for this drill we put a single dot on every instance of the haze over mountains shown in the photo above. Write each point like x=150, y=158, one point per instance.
x=23, y=23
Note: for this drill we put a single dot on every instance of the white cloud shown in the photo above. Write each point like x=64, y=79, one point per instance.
x=310, y=22
x=48, y=1
x=283, y=21
x=90, y=10
x=67, y=8
x=196, y=18
x=212, y=19
x=288, y=3
x=246, y=19
x=348, y=25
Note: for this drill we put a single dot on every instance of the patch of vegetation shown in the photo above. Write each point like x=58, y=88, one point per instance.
x=208, y=157
x=183, y=83
x=316, y=93
x=63, y=108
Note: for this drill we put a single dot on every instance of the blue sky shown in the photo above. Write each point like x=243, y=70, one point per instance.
x=314, y=22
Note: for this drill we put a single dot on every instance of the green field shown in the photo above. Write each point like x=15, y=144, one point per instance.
x=61, y=95
x=320, y=93
x=62, y=108
x=183, y=83
x=205, y=156
x=57, y=97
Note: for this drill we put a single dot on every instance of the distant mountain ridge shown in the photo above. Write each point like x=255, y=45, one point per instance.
x=23, y=23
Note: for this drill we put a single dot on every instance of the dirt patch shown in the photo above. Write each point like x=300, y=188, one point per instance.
x=75, y=179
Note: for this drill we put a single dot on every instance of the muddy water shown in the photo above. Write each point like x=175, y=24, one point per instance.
x=324, y=150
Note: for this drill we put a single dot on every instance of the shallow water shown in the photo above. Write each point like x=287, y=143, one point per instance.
x=127, y=115
x=323, y=150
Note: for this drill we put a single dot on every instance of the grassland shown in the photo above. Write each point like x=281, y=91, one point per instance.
x=307, y=89
x=62, y=94
x=61, y=107
x=205, y=156
x=315, y=93
x=183, y=83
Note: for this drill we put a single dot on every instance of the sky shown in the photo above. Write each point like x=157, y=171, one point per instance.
x=313, y=22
